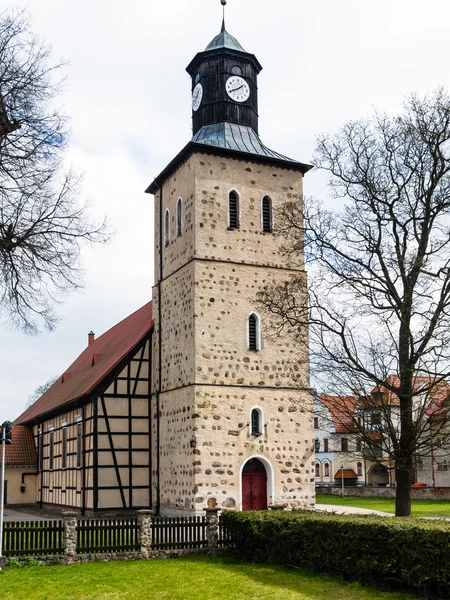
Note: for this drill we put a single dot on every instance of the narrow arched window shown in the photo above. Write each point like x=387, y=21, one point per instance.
x=233, y=209
x=256, y=422
x=359, y=468
x=179, y=214
x=327, y=469
x=254, y=332
x=167, y=228
x=266, y=218
x=317, y=470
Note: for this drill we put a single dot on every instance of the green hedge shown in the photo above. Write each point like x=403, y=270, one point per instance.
x=402, y=554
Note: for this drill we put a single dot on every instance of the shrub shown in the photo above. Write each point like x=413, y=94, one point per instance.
x=389, y=553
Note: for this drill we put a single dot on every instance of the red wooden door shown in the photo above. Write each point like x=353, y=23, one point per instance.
x=254, y=491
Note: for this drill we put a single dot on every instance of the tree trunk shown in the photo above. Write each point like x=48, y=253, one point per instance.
x=403, y=495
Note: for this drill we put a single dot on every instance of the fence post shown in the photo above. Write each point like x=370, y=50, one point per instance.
x=212, y=526
x=145, y=531
x=69, y=535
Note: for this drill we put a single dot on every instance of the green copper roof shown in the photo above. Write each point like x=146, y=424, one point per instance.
x=224, y=40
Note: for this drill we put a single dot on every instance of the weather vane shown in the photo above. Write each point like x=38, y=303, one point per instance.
x=223, y=3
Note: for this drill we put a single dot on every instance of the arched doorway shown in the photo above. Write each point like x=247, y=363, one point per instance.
x=378, y=475
x=254, y=485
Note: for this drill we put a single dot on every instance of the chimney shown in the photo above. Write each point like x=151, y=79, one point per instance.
x=91, y=337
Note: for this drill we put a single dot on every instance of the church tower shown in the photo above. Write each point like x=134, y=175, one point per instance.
x=231, y=406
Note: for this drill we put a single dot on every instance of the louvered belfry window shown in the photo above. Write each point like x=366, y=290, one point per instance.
x=234, y=210
x=267, y=214
x=253, y=332
x=167, y=228
x=179, y=213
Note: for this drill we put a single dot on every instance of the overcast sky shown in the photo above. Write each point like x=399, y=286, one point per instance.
x=128, y=97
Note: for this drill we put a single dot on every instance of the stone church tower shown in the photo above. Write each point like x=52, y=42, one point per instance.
x=232, y=409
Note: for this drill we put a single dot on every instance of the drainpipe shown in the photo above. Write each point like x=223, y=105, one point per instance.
x=158, y=393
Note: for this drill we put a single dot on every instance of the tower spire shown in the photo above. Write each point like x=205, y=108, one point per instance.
x=224, y=3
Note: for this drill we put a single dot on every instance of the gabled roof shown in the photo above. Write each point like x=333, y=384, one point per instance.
x=438, y=390
x=86, y=373
x=341, y=410
x=22, y=451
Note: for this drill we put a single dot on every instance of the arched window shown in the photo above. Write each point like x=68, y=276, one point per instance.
x=317, y=470
x=256, y=421
x=233, y=209
x=327, y=469
x=359, y=469
x=167, y=228
x=266, y=215
x=179, y=214
x=254, y=337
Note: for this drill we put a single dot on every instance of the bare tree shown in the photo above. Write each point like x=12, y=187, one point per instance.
x=39, y=391
x=42, y=224
x=379, y=297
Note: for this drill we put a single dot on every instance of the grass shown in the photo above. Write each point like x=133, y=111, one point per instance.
x=420, y=508
x=188, y=578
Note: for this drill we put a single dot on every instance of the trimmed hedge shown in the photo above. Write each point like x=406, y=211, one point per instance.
x=401, y=554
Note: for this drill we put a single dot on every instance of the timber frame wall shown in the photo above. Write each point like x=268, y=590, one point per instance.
x=114, y=470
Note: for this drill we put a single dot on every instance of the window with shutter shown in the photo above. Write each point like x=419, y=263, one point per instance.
x=233, y=203
x=267, y=214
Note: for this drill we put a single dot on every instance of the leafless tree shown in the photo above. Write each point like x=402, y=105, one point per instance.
x=379, y=296
x=42, y=224
x=39, y=391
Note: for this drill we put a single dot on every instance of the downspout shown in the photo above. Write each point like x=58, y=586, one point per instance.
x=158, y=416
x=150, y=423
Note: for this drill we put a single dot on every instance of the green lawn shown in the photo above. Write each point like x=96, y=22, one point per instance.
x=193, y=578
x=420, y=508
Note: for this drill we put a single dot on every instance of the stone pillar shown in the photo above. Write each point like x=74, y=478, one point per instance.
x=212, y=526
x=145, y=531
x=69, y=535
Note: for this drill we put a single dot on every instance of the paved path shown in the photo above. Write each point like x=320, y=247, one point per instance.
x=20, y=515
x=351, y=510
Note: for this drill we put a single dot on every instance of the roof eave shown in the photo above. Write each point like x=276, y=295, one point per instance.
x=192, y=147
x=206, y=53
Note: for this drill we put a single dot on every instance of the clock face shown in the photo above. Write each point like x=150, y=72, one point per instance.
x=237, y=88
x=197, y=96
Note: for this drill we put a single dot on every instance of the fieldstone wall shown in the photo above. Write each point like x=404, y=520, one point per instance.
x=210, y=380
x=426, y=493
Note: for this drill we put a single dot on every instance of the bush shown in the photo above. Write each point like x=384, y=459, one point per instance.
x=402, y=554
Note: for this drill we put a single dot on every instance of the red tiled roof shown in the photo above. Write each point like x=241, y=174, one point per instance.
x=341, y=409
x=22, y=451
x=85, y=374
x=438, y=390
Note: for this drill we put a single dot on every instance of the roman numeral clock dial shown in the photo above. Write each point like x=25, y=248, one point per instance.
x=237, y=88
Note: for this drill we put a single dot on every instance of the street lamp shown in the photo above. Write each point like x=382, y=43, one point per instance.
x=6, y=439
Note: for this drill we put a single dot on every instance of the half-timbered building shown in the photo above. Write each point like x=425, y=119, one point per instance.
x=92, y=426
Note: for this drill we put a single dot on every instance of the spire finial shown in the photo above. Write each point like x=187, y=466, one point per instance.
x=223, y=3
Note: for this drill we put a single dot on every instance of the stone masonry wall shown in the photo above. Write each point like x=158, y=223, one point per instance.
x=205, y=306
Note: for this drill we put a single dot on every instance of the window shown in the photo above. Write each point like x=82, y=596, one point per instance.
x=236, y=70
x=317, y=470
x=79, y=443
x=256, y=421
x=233, y=207
x=327, y=469
x=344, y=444
x=316, y=422
x=179, y=213
x=40, y=446
x=358, y=445
x=64, y=447
x=376, y=419
x=359, y=469
x=167, y=228
x=266, y=214
x=253, y=340
x=325, y=445
x=51, y=453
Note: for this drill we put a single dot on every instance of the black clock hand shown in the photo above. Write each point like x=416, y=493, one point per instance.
x=236, y=89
